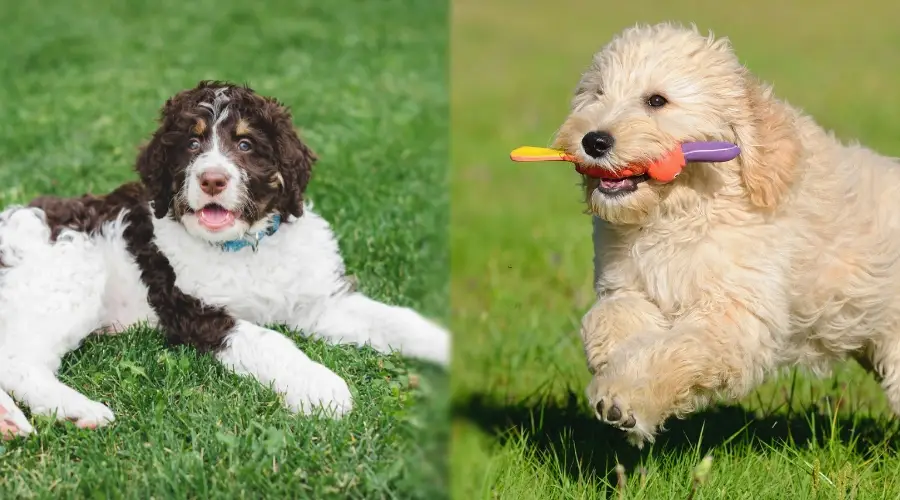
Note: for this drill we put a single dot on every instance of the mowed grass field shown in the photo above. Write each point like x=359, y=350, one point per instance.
x=80, y=88
x=521, y=262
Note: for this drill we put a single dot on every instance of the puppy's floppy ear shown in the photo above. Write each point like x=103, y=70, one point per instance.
x=296, y=159
x=155, y=175
x=153, y=164
x=770, y=146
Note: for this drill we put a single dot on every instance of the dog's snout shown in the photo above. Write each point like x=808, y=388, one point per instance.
x=597, y=144
x=213, y=182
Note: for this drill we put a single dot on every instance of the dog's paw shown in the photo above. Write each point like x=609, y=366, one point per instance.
x=422, y=339
x=614, y=405
x=433, y=345
x=83, y=412
x=314, y=389
x=12, y=421
x=97, y=415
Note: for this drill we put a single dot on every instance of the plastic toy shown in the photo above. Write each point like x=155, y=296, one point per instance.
x=664, y=169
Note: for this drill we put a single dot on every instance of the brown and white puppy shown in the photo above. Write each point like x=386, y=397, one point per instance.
x=214, y=243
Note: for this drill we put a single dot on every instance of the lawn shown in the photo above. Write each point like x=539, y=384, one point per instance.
x=80, y=88
x=521, y=263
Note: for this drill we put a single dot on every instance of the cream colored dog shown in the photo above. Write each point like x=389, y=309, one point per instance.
x=787, y=255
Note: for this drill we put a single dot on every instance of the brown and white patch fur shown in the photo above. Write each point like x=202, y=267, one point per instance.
x=144, y=252
x=786, y=255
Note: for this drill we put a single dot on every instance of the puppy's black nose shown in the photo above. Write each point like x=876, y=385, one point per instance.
x=597, y=144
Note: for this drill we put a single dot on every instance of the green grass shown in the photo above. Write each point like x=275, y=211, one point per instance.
x=521, y=262
x=80, y=86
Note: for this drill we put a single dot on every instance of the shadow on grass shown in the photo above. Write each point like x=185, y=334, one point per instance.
x=587, y=447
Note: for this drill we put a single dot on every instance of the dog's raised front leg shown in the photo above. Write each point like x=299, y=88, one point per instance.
x=614, y=318
x=651, y=376
x=356, y=319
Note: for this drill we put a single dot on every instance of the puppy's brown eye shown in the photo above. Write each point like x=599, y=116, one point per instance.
x=656, y=101
x=245, y=145
x=194, y=145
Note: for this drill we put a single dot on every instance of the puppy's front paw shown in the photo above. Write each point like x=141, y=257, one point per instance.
x=316, y=388
x=93, y=416
x=85, y=413
x=434, y=345
x=616, y=404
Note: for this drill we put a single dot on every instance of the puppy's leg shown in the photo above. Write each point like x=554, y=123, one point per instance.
x=651, y=376
x=52, y=299
x=622, y=309
x=243, y=347
x=12, y=421
x=356, y=319
x=614, y=318
x=882, y=359
x=274, y=360
x=40, y=390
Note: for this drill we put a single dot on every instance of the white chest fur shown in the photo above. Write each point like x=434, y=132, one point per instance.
x=289, y=276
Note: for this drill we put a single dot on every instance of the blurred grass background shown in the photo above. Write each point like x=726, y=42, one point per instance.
x=81, y=83
x=521, y=260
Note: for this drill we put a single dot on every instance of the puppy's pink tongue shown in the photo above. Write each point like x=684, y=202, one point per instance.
x=214, y=217
x=613, y=183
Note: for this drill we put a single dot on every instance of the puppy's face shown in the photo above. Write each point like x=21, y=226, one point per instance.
x=647, y=91
x=223, y=161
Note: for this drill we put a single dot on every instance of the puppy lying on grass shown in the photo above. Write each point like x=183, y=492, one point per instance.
x=213, y=244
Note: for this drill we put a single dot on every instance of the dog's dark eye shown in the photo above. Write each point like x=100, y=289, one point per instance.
x=194, y=145
x=245, y=145
x=656, y=101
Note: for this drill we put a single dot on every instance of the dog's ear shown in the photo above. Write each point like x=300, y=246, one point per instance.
x=296, y=159
x=156, y=160
x=770, y=146
x=154, y=170
x=153, y=164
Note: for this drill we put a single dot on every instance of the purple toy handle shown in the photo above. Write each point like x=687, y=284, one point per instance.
x=715, y=151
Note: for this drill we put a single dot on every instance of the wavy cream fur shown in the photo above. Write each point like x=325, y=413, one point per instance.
x=786, y=256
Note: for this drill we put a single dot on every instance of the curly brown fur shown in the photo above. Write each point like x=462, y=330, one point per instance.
x=183, y=319
x=89, y=212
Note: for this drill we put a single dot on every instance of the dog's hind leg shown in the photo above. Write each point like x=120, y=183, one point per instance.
x=356, y=319
x=882, y=359
x=52, y=298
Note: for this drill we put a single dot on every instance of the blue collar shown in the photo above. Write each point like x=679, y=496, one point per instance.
x=251, y=240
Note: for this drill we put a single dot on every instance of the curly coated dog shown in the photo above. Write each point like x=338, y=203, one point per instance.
x=784, y=256
x=214, y=243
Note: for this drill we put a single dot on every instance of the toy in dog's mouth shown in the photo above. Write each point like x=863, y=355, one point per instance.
x=626, y=180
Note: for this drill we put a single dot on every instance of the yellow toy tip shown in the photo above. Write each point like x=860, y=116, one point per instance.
x=532, y=153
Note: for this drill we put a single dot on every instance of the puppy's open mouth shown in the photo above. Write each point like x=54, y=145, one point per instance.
x=619, y=186
x=215, y=217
